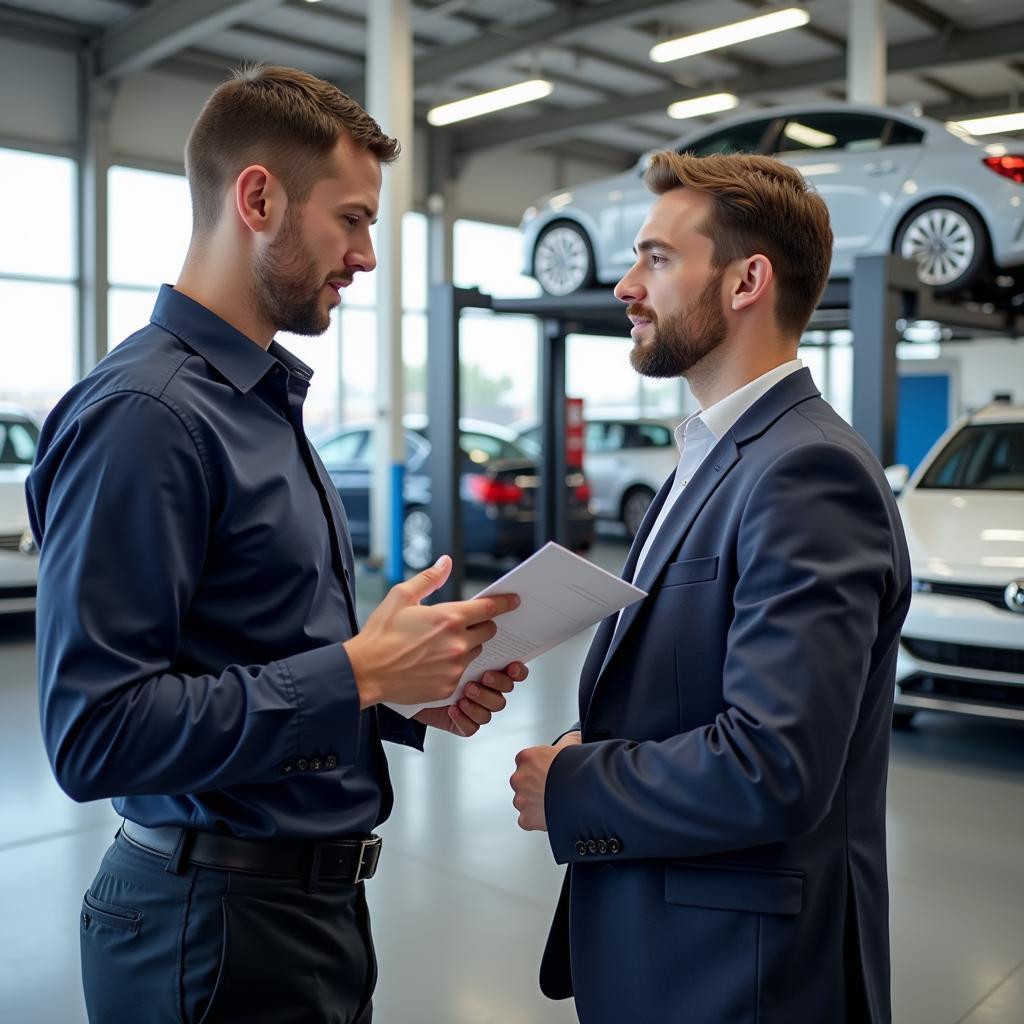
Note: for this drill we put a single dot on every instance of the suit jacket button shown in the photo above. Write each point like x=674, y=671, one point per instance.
x=316, y=764
x=330, y=762
x=614, y=846
x=302, y=764
x=581, y=848
x=591, y=846
x=287, y=768
x=602, y=846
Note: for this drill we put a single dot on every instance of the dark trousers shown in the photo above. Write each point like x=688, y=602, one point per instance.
x=211, y=947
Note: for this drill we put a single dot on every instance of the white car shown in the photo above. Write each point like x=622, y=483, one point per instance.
x=625, y=461
x=962, y=647
x=893, y=182
x=19, y=434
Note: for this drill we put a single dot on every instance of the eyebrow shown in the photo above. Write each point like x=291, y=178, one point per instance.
x=652, y=243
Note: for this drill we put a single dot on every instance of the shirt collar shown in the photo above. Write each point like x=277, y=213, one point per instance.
x=722, y=416
x=232, y=354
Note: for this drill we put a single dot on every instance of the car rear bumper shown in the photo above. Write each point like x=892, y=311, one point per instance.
x=961, y=655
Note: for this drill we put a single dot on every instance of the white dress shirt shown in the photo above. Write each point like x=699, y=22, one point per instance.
x=699, y=433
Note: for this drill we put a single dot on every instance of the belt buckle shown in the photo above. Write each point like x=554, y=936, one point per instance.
x=369, y=854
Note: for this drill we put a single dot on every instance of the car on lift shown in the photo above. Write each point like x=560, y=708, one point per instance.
x=626, y=461
x=893, y=182
x=498, y=488
x=962, y=647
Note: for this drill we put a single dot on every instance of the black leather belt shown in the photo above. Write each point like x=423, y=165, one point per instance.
x=347, y=860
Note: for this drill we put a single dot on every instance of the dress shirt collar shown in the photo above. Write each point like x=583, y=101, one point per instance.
x=232, y=354
x=723, y=415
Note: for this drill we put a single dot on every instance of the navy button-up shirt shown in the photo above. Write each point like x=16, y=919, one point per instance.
x=195, y=588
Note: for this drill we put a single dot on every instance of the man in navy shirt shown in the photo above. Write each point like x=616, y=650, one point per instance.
x=199, y=656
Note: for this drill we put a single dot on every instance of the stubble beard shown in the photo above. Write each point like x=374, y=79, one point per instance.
x=683, y=339
x=287, y=286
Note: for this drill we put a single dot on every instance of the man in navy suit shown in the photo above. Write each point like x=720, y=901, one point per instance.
x=721, y=802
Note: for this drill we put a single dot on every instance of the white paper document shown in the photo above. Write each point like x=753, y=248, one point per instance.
x=560, y=595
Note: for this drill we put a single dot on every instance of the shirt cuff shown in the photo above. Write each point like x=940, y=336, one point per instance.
x=327, y=702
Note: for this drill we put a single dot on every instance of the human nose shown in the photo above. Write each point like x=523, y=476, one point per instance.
x=362, y=257
x=629, y=289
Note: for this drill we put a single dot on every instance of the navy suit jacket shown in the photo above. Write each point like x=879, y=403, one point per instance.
x=724, y=818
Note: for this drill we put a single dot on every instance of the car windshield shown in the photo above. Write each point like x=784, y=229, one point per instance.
x=17, y=442
x=981, y=457
x=482, y=448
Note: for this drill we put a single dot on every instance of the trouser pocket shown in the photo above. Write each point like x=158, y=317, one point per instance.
x=129, y=931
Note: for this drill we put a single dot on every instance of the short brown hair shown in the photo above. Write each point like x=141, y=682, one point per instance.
x=285, y=119
x=759, y=205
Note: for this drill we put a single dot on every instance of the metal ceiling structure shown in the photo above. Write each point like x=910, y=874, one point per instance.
x=956, y=58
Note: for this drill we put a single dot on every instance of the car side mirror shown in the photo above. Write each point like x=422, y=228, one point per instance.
x=897, y=476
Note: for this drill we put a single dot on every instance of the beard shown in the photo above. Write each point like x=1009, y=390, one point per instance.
x=683, y=338
x=287, y=286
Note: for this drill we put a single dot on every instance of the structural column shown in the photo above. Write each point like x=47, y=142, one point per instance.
x=95, y=102
x=389, y=88
x=865, y=53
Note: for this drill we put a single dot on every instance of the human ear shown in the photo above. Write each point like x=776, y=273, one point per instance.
x=259, y=199
x=756, y=274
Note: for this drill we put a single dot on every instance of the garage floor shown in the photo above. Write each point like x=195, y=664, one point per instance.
x=462, y=901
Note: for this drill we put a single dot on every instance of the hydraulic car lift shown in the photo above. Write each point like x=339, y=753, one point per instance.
x=883, y=296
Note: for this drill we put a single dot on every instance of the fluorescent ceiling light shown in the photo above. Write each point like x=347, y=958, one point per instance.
x=728, y=35
x=993, y=125
x=808, y=136
x=699, y=105
x=488, y=102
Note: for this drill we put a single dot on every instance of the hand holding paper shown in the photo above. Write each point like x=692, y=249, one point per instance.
x=560, y=594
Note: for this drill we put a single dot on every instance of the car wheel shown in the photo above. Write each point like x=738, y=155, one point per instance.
x=947, y=240
x=417, y=539
x=901, y=718
x=563, y=261
x=634, y=508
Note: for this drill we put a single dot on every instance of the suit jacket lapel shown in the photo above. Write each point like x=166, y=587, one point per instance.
x=790, y=391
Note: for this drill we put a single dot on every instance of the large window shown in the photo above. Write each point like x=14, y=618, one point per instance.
x=38, y=288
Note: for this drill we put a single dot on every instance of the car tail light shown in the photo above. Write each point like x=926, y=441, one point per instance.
x=577, y=482
x=1011, y=167
x=494, y=492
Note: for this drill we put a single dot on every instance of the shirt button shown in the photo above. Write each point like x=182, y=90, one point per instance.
x=316, y=764
x=287, y=768
x=591, y=846
x=581, y=848
x=330, y=762
x=614, y=846
x=302, y=764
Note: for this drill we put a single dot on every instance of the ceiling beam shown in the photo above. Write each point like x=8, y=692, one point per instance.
x=164, y=28
x=935, y=20
x=506, y=40
x=978, y=106
x=993, y=42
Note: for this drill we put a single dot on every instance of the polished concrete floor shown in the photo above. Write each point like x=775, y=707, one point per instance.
x=461, y=904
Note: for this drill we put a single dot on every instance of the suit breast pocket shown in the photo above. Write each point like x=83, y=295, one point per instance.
x=692, y=570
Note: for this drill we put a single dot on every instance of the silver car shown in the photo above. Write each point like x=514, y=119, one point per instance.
x=893, y=182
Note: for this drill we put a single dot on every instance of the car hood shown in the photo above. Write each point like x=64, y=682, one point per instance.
x=969, y=536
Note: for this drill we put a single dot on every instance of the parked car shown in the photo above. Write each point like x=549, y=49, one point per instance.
x=19, y=434
x=893, y=182
x=625, y=460
x=19, y=571
x=962, y=647
x=498, y=490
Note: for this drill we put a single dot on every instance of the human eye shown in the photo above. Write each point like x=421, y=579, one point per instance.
x=657, y=260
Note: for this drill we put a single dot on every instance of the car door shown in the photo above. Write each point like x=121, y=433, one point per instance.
x=603, y=463
x=635, y=199
x=17, y=448
x=858, y=163
x=348, y=458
